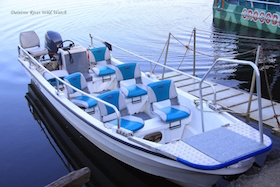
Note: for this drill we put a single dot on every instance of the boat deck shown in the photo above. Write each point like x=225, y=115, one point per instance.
x=229, y=98
x=210, y=150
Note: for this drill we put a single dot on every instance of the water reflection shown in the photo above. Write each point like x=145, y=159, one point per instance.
x=76, y=152
x=230, y=43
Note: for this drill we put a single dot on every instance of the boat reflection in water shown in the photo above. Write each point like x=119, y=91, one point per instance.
x=78, y=152
x=259, y=15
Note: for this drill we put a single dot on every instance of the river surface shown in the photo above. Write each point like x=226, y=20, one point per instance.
x=30, y=153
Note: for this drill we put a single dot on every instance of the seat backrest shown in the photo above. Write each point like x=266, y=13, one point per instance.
x=77, y=80
x=75, y=60
x=29, y=39
x=161, y=90
x=114, y=97
x=98, y=54
x=128, y=71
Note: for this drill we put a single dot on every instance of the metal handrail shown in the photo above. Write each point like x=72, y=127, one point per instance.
x=264, y=2
x=35, y=62
x=256, y=70
x=164, y=66
x=252, y=85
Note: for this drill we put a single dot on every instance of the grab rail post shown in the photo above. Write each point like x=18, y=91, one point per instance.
x=166, y=53
x=91, y=41
x=194, y=43
x=252, y=86
x=151, y=68
x=57, y=87
x=258, y=81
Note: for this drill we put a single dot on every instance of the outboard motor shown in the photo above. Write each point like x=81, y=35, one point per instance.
x=52, y=40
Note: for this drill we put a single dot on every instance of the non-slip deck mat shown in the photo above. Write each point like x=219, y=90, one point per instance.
x=223, y=145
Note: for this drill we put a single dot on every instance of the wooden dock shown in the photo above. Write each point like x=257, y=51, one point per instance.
x=230, y=99
x=74, y=179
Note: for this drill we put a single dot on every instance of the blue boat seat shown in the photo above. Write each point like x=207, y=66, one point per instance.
x=30, y=41
x=59, y=73
x=172, y=113
x=78, y=80
x=116, y=98
x=98, y=55
x=130, y=71
x=165, y=90
x=131, y=123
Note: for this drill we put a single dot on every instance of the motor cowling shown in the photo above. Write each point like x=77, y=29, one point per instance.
x=52, y=40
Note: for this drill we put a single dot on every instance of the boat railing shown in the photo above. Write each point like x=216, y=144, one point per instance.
x=162, y=65
x=264, y=2
x=33, y=62
x=258, y=82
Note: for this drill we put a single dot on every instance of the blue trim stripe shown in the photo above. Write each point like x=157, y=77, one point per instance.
x=111, y=97
x=98, y=53
x=127, y=70
x=225, y=164
x=161, y=89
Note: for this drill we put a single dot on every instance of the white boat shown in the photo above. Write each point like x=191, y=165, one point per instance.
x=144, y=122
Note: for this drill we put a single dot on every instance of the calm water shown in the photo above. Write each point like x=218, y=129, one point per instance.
x=30, y=156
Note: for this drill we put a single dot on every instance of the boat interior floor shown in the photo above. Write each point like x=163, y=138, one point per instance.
x=142, y=115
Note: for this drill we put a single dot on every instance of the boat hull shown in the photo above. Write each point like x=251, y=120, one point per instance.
x=120, y=148
x=256, y=18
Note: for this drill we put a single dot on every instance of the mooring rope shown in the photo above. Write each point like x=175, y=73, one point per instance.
x=208, y=16
x=153, y=71
x=187, y=48
x=269, y=92
x=179, y=42
x=213, y=56
x=198, y=52
x=235, y=55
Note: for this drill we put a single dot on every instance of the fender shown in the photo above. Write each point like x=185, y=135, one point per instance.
x=219, y=4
